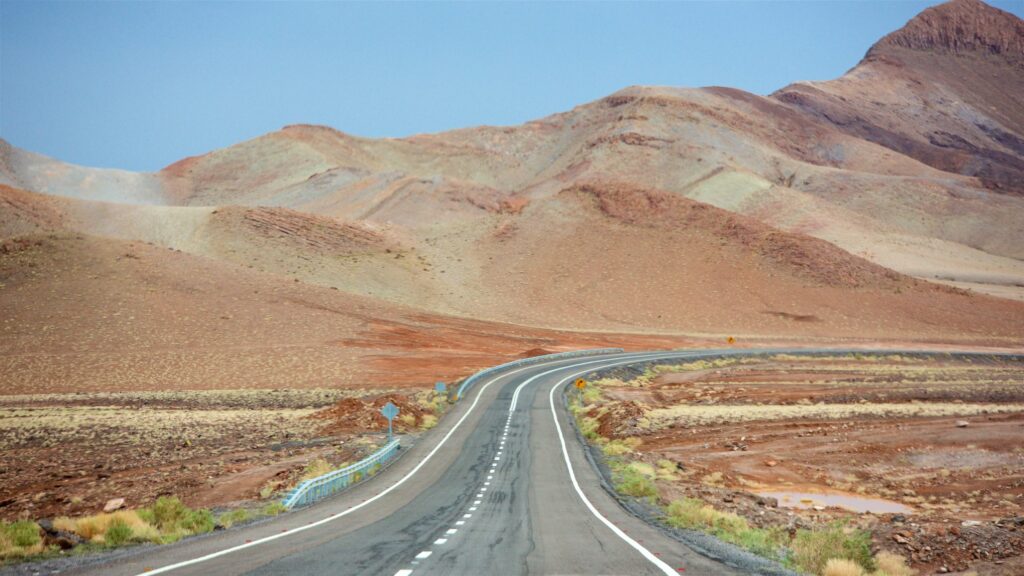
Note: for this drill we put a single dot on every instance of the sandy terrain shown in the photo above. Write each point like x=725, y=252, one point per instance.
x=924, y=453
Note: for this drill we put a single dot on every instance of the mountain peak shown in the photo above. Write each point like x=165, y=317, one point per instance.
x=960, y=26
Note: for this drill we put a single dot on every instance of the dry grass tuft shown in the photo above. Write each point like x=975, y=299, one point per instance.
x=317, y=467
x=841, y=567
x=890, y=564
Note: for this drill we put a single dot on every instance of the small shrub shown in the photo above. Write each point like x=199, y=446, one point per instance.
x=839, y=567
x=633, y=483
x=696, y=515
x=588, y=427
x=92, y=527
x=273, y=509
x=407, y=419
x=118, y=533
x=812, y=549
x=889, y=564
x=616, y=448
x=592, y=395
x=267, y=490
x=428, y=422
x=175, y=520
x=198, y=521
x=19, y=539
x=24, y=533
x=317, y=467
x=169, y=513
x=64, y=524
x=236, y=516
x=667, y=469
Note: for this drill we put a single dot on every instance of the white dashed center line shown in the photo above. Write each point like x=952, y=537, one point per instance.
x=440, y=541
x=424, y=554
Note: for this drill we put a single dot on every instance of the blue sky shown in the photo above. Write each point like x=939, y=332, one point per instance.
x=139, y=85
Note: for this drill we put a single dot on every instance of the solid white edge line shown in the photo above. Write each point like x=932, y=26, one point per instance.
x=347, y=511
x=665, y=568
x=387, y=490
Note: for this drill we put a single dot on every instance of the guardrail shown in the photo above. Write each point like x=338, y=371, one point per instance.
x=314, y=489
x=468, y=383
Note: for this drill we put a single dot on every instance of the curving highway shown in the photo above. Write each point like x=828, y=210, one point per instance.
x=501, y=486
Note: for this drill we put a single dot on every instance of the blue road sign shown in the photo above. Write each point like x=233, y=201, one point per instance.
x=389, y=411
x=440, y=387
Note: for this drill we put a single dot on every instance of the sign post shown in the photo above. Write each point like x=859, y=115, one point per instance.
x=389, y=411
x=580, y=385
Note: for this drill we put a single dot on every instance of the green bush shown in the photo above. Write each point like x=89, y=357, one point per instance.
x=633, y=483
x=118, y=533
x=812, y=549
x=175, y=520
x=588, y=427
x=168, y=513
x=24, y=533
x=695, y=514
x=236, y=516
x=273, y=509
x=198, y=521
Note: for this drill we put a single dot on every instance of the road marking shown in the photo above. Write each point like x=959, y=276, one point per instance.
x=402, y=480
x=440, y=541
x=452, y=531
x=665, y=568
x=460, y=522
x=472, y=509
x=403, y=573
x=467, y=515
x=424, y=554
x=476, y=503
x=347, y=511
x=487, y=483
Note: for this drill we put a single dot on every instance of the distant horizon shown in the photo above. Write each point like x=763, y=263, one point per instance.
x=139, y=86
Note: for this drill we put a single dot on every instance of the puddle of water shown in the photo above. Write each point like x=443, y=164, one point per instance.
x=851, y=502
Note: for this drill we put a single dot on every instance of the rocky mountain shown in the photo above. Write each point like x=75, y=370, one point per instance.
x=820, y=209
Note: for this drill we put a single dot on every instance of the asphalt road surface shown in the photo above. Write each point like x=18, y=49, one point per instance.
x=501, y=486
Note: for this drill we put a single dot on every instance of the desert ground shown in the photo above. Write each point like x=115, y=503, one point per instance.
x=925, y=454
x=225, y=326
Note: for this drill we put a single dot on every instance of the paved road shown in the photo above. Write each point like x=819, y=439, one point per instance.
x=500, y=487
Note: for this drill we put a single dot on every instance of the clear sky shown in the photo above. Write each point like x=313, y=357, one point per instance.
x=139, y=85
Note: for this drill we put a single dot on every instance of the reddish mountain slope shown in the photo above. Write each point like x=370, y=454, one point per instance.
x=946, y=89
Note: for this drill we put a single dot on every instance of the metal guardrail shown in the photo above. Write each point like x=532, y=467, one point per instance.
x=468, y=383
x=314, y=489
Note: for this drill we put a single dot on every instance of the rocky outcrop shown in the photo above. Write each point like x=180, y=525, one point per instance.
x=960, y=26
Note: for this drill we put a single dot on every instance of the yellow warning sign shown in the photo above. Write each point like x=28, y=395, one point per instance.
x=730, y=340
x=581, y=383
